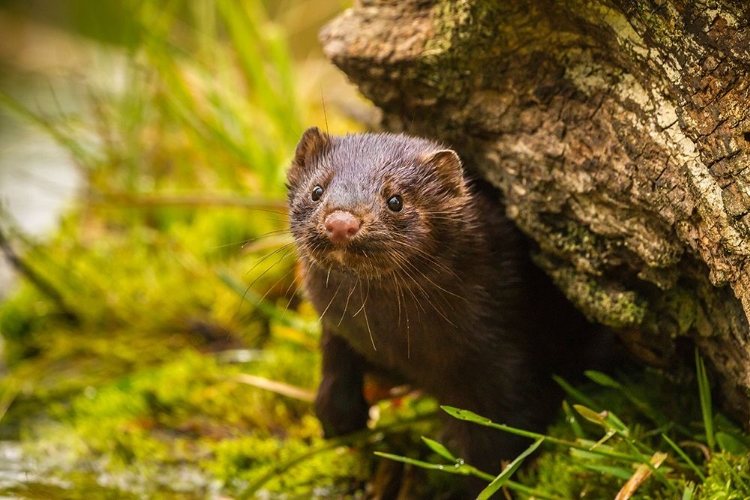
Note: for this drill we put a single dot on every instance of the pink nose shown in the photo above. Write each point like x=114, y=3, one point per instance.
x=341, y=226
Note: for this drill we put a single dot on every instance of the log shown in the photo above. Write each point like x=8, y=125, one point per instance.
x=619, y=133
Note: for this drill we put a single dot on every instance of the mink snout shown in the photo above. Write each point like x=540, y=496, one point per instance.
x=341, y=226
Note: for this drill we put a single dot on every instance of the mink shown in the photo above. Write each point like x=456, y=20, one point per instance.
x=417, y=273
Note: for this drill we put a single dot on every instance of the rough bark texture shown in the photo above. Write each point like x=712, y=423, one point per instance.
x=619, y=132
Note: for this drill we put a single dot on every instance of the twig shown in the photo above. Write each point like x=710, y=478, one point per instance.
x=277, y=387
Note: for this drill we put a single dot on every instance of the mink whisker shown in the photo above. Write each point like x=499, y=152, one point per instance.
x=289, y=248
x=335, y=294
x=275, y=284
x=346, y=305
x=399, y=296
x=429, y=259
x=426, y=294
x=244, y=243
x=415, y=268
x=286, y=296
x=268, y=256
x=363, y=299
x=411, y=292
x=367, y=321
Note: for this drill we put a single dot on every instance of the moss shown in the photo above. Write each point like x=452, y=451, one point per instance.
x=682, y=308
x=607, y=304
x=728, y=478
x=193, y=395
x=337, y=473
x=186, y=411
x=562, y=476
x=574, y=238
x=458, y=26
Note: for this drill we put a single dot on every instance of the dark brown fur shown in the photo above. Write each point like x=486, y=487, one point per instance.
x=441, y=294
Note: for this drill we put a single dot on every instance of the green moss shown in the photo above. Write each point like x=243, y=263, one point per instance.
x=682, y=307
x=188, y=410
x=335, y=473
x=575, y=238
x=609, y=305
x=564, y=477
x=604, y=302
x=728, y=478
x=193, y=395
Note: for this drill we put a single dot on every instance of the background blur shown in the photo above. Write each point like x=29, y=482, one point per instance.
x=153, y=340
x=54, y=54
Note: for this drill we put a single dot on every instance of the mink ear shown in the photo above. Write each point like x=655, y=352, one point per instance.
x=312, y=144
x=447, y=166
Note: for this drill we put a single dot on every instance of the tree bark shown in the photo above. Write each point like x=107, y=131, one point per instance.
x=619, y=132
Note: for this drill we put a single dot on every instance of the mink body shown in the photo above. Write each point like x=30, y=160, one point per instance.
x=418, y=273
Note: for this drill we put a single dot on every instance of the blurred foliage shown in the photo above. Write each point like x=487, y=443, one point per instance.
x=173, y=276
x=118, y=345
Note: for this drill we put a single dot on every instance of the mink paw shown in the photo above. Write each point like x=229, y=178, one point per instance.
x=341, y=408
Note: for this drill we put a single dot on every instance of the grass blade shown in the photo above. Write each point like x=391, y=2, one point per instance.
x=571, y=418
x=457, y=468
x=689, y=491
x=469, y=416
x=684, y=456
x=439, y=449
x=704, y=393
x=650, y=412
x=465, y=470
x=640, y=476
x=575, y=393
x=505, y=475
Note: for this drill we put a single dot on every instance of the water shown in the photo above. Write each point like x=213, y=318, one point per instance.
x=22, y=478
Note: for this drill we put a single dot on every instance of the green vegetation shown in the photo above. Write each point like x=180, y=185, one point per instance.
x=158, y=347
x=593, y=453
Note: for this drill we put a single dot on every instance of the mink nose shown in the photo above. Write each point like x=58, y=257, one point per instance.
x=341, y=226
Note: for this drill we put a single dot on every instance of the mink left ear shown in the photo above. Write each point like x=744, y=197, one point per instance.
x=313, y=143
x=447, y=166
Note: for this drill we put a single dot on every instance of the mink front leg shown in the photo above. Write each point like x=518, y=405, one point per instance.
x=340, y=404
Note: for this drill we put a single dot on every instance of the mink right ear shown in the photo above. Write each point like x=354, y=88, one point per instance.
x=447, y=167
x=312, y=144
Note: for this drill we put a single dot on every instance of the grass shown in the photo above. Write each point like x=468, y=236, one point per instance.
x=129, y=344
x=594, y=453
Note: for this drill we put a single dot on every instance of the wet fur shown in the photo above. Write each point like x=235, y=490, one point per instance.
x=442, y=294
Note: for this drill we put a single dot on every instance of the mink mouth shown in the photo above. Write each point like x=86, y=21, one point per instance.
x=357, y=259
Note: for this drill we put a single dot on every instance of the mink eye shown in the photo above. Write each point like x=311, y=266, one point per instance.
x=395, y=203
x=317, y=192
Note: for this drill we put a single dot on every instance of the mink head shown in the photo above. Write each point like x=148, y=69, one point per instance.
x=374, y=204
